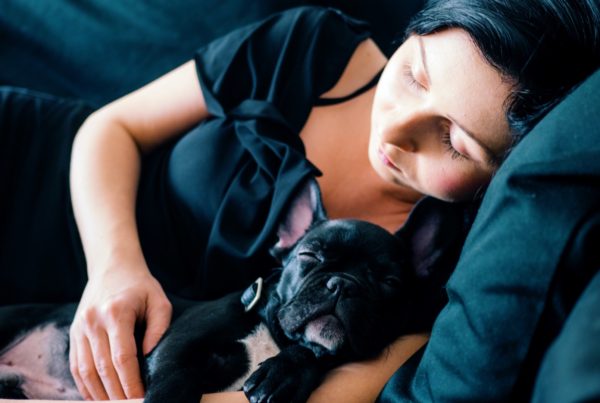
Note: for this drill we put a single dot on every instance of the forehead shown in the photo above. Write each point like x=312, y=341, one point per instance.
x=464, y=85
x=352, y=235
x=344, y=231
x=330, y=232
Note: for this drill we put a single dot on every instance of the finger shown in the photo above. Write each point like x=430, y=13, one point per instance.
x=125, y=360
x=73, y=364
x=158, y=318
x=87, y=371
x=101, y=351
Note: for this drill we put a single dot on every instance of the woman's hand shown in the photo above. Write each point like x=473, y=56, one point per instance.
x=103, y=352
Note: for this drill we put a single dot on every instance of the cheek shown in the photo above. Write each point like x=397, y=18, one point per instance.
x=289, y=277
x=456, y=184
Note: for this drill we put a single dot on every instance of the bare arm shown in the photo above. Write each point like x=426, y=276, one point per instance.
x=106, y=159
x=363, y=381
x=105, y=168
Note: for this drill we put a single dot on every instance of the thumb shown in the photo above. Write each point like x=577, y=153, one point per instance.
x=158, y=318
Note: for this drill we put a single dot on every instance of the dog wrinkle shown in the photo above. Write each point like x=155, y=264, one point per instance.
x=259, y=347
x=39, y=359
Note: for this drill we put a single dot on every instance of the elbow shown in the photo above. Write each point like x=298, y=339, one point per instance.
x=104, y=128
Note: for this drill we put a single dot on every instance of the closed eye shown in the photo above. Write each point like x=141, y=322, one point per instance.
x=410, y=79
x=308, y=255
x=454, y=153
x=392, y=281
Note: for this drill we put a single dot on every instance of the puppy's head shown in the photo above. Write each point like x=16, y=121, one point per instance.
x=349, y=287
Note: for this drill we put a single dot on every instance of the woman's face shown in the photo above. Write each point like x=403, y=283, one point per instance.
x=438, y=122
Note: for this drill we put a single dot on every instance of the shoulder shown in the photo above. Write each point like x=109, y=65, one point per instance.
x=366, y=61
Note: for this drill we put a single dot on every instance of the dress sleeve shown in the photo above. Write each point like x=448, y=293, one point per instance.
x=287, y=61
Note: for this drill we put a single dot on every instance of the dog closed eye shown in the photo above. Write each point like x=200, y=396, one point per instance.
x=392, y=281
x=309, y=255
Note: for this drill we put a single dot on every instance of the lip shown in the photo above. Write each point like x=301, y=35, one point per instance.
x=386, y=160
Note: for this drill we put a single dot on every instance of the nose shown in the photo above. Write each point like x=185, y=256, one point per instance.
x=338, y=285
x=408, y=146
x=406, y=130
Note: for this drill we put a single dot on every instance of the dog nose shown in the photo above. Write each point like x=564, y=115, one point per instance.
x=338, y=285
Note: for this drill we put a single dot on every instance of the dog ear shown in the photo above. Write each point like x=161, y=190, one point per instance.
x=434, y=233
x=305, y=209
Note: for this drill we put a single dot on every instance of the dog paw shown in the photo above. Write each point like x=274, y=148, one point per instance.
x=289, y=377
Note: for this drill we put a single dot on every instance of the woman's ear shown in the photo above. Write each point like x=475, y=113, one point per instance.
x=434, y=233
x=305, y=209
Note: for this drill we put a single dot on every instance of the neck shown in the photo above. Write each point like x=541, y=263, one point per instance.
x=365, y=196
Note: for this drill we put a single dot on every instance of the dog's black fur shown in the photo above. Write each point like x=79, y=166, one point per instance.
x=346, y=290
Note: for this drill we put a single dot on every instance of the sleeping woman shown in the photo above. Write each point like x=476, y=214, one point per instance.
x=178, y=186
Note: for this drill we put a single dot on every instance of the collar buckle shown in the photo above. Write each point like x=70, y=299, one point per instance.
x=252, y=295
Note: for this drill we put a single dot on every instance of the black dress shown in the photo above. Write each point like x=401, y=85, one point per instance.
x=208, y=203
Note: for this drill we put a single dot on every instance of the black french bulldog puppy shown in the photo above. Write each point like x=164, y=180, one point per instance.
x=345, y=290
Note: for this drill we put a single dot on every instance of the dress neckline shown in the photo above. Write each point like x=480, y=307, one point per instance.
x=355, y=93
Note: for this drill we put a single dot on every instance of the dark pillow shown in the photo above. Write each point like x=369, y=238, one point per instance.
x=527, y=258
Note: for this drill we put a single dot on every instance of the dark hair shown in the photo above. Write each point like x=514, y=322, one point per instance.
x=544, y=47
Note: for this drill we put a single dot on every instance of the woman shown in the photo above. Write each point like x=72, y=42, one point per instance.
x=470, y=80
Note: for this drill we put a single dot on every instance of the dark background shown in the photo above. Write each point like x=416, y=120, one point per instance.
x=98, y=50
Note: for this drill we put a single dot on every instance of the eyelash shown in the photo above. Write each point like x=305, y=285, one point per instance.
x=410, y=78
x=450, y=148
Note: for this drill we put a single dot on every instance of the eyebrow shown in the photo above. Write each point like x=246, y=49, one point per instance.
x=491, y=157
x=424, y=58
